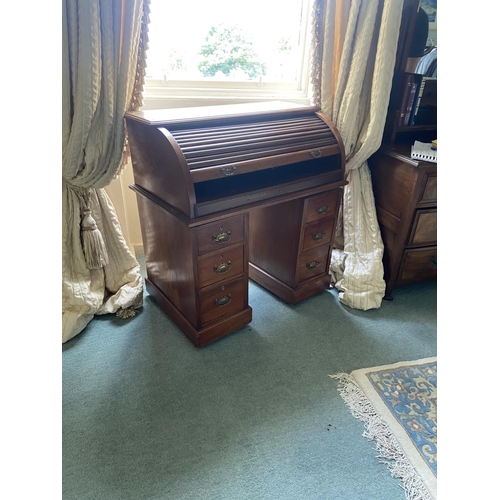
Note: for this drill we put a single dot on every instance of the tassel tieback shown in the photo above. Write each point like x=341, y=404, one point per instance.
x=94, y=249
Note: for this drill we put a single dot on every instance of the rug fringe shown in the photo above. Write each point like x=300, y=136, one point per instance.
x=388, y=447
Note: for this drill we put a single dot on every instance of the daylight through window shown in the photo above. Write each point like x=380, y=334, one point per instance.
x=228, y=48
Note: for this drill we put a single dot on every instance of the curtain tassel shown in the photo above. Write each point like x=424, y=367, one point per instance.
x=94, y=249
x=129, y=312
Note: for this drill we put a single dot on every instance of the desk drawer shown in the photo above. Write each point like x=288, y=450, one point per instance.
x=313, y=262
x=321, y=206
x=424, y=230
x=317, y=233
x=224, y=233
x=223, y=299
x=419, y=264
x=222, y=265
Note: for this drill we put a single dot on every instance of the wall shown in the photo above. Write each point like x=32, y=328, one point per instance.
x=125, y=203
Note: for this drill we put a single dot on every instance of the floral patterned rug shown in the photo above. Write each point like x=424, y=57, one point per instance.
x=398, y=405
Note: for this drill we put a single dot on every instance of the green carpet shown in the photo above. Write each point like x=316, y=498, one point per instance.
x=252, y=416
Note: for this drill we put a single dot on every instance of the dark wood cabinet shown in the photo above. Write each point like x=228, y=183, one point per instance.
x=405, y=189
x=228, y=193
x=290, y=245
x=406, y=197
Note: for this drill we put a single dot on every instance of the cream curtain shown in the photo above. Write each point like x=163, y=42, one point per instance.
x=355, y=44
x=101, y=48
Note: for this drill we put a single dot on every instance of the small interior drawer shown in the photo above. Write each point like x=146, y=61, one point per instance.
x=313, y=262
x=424, y=230
x=220, y=265
x=419, y=264
x=317, y=233
x=218, y=235
x=321, y=206
x=223, y=299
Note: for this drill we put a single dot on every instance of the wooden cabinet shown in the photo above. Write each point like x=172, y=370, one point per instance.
x=290, y=245
x=405, y=190
x=406, y=199
x=198, y=275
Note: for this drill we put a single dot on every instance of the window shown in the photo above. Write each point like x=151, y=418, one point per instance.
x=224, y=51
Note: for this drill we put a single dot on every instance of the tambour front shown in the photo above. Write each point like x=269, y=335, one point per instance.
x=228, y=193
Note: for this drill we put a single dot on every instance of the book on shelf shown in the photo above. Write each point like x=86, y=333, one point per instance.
x=408, y=94
x=411, y=99
x=425, y=112
x=424, y=151
x=420, y=80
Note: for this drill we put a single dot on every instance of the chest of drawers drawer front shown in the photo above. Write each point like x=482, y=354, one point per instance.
x=429, y=194
x=221, y=265
x=222, y=299
x=424, y=230
x=418, y=264
x=218, y=235
x=313, y=262
x=321, y=206
x=317, y=233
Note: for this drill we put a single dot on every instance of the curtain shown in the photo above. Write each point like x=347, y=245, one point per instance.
x=354, y=54
x=102, y=70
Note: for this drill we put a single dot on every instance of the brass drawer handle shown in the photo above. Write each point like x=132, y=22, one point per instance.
x=312, y=265
x=322, y=209
x=316, y=153
x=223, y=301
x=228, y=170
x=223, y=268
x=221, y=237
x=318, y=236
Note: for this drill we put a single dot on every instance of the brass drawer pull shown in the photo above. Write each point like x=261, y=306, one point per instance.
x=312, y=265
x=223, y=301
x=228, y=170
x=318, y=236
x=316, y=153
x=221, y=237
x=322, y=209
x=223, y=268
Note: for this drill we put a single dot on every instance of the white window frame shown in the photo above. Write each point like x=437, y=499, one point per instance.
x=164, y=93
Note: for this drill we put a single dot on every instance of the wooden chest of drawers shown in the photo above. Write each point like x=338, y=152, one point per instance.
x=290, y=245
x=406, y=198
x=198, y=275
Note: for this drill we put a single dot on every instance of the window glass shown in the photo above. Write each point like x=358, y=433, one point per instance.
x=227, y=41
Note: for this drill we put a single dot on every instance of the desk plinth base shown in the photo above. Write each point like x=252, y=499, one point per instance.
x=207, y=334
x=284, y=292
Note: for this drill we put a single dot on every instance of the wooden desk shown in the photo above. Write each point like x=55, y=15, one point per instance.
x=228, y=193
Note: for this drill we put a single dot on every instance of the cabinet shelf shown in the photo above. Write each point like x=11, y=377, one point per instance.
x=416, y=128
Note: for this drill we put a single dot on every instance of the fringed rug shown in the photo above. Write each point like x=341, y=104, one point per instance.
x=398, y=405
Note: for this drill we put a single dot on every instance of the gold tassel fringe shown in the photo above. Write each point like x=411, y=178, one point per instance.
x=129, y=312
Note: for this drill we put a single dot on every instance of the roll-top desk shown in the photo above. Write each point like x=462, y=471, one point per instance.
x=228, y=193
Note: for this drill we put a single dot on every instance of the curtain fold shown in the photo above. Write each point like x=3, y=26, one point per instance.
x=358, y=44
x=101, y=40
